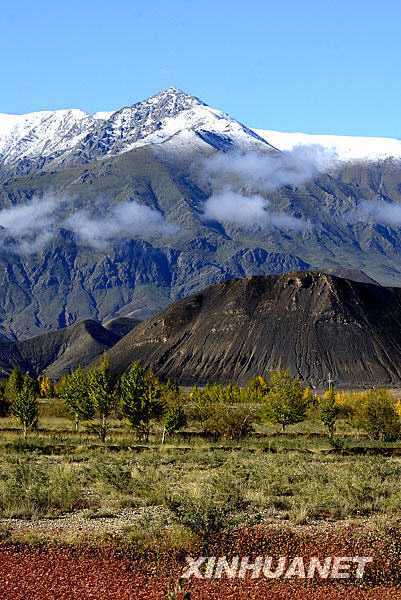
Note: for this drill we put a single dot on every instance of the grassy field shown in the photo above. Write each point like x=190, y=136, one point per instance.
x=296, y=477
x=63, y=491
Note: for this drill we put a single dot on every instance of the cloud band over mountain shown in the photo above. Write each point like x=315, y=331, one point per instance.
x=30, y=226
x=242, y=182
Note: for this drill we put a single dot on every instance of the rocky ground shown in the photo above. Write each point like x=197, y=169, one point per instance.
x=37, y=571
x=60, y=574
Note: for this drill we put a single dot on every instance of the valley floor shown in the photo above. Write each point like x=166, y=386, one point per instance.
x=81, y=520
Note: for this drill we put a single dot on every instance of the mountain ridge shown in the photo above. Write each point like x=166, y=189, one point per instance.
x=143, y=116
x=72, y=136
x=75, y=240
x=312, y=323
x=58, y=352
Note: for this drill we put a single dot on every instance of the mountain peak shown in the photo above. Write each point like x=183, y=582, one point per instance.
x=168, y=102
x=29, y=142
x=173, y=91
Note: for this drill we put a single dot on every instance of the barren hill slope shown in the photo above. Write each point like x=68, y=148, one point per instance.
x=312, y=323
x=58, y=352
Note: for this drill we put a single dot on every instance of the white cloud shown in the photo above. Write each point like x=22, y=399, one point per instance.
x=376, y=211
x=247, y=211
x=125, y=220
x=269, y=171
x=29, y=218
x=31, y=226
x=241, y=182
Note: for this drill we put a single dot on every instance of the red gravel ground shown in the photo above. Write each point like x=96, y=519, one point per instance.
x=85, y=573
x=58, y=574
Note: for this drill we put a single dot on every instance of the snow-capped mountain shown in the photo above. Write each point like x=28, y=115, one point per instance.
x=346, y=148
x=172, y=117
x=42, y=134
x=109, y=214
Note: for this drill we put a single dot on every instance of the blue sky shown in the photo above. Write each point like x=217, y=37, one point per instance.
x=292, y=65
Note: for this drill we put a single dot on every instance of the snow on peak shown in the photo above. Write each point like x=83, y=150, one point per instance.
x=346, y=148
x=166, y=103
x=40, y=134
x=102, y=115
x=171, y=117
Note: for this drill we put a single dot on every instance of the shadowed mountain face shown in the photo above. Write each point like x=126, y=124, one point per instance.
x=312, y=323
x=121, y=326
x=59, y=352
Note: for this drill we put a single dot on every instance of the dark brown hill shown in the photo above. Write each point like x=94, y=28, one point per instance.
x=311, y=323
x=121, y=325
x=58, y=352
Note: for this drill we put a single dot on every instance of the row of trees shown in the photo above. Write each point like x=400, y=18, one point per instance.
x=374, y=411
x=284, y=400
x=93, y=396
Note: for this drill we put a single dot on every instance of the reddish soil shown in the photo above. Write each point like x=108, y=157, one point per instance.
x=58, y=574
x=28, y=574
x=55, y=573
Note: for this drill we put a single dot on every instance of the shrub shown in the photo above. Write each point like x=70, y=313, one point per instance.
x=28, y=489
x=329, y=410
x=154, y=538
x=285, y=402
x=202, y=515
x=353, y=408
x=231, y=421
x=382, y=421
x=223, y=411
x=140, y=399
x=25, y=406
x=374, y=411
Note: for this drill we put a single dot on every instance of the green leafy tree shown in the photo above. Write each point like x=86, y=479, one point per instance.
x=285, y=402
x=329, y=410
x=5, y=403
x=74, y=390
x=174, y=420
x=381, y=418
x=101, y=395
x=25, y=406
x=13, y=385
x=140, y=399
